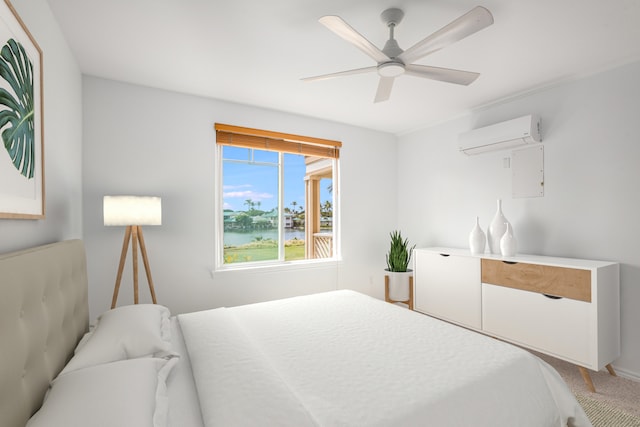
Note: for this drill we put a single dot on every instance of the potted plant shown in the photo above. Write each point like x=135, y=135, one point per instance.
x=398, y=271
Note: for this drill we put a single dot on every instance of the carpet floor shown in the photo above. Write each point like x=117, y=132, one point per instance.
x=605, y=415
x=616, y=402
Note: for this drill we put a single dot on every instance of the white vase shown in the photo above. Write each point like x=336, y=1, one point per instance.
x=508, y=242
x=399, y=284
x=496, y=229
x=477, y=239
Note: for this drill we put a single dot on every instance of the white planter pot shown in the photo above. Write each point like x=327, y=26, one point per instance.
x=399, y=285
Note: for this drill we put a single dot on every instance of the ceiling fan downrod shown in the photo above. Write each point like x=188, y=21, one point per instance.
x=395, y=67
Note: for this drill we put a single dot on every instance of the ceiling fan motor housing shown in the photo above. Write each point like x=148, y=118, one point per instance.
x=391, y=48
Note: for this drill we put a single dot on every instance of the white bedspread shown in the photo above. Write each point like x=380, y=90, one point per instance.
x=345, y=359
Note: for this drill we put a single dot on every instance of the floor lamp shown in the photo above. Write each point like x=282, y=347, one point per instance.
x=132, y=212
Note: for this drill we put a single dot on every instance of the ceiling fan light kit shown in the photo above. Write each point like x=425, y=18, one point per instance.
x=392, y=61
x=390, y=69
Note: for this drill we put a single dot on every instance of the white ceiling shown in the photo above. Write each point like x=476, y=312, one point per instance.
x=255, y=51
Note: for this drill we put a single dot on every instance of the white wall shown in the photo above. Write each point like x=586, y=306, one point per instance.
x=62, y=137
x=591, y=169
x=145, y=141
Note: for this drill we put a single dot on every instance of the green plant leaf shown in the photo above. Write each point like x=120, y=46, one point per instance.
x=399, y=254
x=17, y=118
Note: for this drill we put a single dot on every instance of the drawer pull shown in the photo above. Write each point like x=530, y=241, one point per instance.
x=510, y=262
x=552, y=296
x=444, y=254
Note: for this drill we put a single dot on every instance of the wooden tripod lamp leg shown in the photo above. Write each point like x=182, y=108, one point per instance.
x=123, y=256
x=133, y=234
x=132, y=212
x=134, y=253
x=145, y=261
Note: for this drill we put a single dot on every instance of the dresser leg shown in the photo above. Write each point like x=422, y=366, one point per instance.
x=611, y=371
x=587, y=379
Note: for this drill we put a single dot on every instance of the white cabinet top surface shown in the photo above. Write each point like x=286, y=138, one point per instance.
x=531, y=259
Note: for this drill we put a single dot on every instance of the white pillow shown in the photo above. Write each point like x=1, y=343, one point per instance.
x=124, y=393
x=127, y=332
x=83, y=340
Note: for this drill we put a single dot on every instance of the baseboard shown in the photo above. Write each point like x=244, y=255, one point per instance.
x=627, y=374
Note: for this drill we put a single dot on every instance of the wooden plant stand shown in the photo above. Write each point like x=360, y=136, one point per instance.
x=409, y=302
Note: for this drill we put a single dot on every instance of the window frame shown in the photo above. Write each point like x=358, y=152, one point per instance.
x=293, y=144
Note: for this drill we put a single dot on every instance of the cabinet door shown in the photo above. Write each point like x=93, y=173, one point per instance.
x=556, y=326
x=448, y=287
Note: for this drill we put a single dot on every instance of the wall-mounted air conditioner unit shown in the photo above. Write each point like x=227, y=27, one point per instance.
x=501, y=136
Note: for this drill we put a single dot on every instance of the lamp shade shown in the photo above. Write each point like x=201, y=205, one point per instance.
x=132, y=210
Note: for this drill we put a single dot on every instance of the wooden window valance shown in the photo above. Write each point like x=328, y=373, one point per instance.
x=276, y=141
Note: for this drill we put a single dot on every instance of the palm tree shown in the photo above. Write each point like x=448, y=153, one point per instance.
x=244, y=221
x=326, y=209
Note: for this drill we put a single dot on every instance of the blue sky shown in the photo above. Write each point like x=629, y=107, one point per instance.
x=258, y=181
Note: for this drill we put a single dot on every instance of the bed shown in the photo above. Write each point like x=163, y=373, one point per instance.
x=332, y=359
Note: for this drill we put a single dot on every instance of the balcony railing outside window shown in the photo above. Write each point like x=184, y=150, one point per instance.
x=323, y=245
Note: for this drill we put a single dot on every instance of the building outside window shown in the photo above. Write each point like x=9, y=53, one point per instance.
x=277, y=197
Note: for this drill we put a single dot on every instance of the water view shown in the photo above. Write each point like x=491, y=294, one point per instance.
x=237, y=238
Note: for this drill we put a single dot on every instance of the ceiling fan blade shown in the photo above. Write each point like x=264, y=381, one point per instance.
x=384, y=89
x=340, y=74
x=473, y=21
x=448, y=75
x=344, y=30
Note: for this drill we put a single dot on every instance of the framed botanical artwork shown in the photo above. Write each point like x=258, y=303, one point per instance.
x=21, y=126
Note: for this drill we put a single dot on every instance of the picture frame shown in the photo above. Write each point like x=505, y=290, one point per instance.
x=22, y=192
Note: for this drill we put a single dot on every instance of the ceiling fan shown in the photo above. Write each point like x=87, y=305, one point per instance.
x=392, y=61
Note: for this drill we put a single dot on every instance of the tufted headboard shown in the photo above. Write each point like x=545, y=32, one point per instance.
x=43, y=314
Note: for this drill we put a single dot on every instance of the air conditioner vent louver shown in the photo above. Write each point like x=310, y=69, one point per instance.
x=501, y=136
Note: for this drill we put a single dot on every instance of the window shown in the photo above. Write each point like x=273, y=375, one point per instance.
x=276, y=197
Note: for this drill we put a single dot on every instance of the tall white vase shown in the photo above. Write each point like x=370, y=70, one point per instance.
x=496, y=229
x=508, y=243
x=477, y=239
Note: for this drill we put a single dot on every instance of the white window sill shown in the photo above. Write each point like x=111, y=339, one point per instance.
x=276, y=266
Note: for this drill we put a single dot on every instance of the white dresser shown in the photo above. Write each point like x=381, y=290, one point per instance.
x=567, y=308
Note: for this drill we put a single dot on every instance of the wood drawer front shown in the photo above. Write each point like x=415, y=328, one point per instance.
x=559, y=327
x=557, y=281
